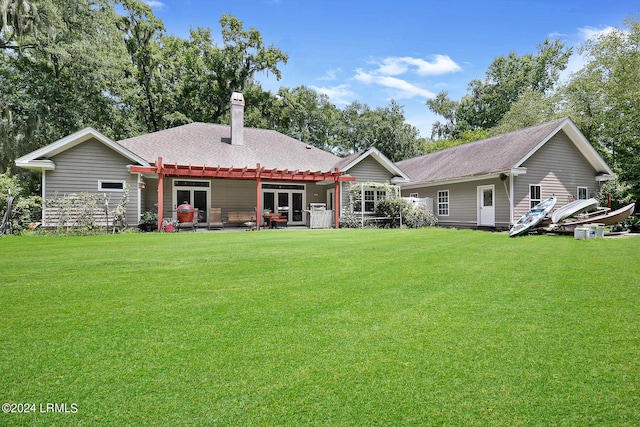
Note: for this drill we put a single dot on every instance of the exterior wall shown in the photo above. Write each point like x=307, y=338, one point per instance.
x=229, y=195
x=79, y=169
x=240, y=195
x=368, y=170
x=559, y=168
x=318, y=193
x=463, y=202
x=149, y=194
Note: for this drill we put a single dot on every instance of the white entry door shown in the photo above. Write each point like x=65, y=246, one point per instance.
x=486, y=206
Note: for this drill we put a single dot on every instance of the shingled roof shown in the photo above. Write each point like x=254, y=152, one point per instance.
x=494, y=155
x=210, y=144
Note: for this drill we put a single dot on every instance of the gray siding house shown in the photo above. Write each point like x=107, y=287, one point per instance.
x=207, y=165
x=493, y=182
x=370, y=166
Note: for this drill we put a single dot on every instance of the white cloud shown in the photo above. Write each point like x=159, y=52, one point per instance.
x=403, y=88
x=389, y=71
x=441, y=64
x=588, y=33
x=154, y=4
x=330, y=74
x=339, y=95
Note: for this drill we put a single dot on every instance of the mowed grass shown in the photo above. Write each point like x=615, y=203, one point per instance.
x=321, y=327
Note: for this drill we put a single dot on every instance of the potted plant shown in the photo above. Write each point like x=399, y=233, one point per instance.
x=169, y=225
x=149, y=221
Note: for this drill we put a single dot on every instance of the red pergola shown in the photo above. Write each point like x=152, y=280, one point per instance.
x=257, y=174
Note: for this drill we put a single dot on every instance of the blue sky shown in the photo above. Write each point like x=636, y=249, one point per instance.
x=373, y=51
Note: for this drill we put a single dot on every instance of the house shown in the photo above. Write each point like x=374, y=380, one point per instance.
x=493, y=182
x=234, y=168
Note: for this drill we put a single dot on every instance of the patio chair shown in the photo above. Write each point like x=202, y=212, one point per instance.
x=215, y=218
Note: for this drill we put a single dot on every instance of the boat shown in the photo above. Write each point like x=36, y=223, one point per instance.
x=609, y=218
x=573, y=208
x=532, y=218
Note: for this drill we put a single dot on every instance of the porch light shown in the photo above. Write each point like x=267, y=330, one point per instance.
x=141, y=184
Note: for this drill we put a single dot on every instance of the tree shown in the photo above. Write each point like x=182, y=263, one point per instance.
x=17, y=19
x=304, y=114
x=604, y=99
x=384, y=128
x=532, y=108
x=59, y=79
x=141, y=32
x=507, y=78
x=215, y=72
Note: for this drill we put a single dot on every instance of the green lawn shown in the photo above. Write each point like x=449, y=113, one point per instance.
x=321, y=327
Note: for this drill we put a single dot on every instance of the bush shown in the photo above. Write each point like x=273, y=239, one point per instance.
x=350, y=221
x=418, y=217
x=26, y=208
x=393, y=209
x=619, y=193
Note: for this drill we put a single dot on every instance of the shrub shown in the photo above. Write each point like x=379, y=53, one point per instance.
x=350, y=220
x=402, y=210
x=393, y=209
x=619, y=193
x=25, y=209
x=420, y=216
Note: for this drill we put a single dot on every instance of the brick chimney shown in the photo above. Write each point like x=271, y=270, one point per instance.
x=237, y=119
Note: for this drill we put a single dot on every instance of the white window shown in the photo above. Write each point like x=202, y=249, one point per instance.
x=443, y=203
x=535, y=192
x=105, y=185
x=582, y=193
x=370, y=199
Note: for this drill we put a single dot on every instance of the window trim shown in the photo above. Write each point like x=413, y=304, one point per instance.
x=444, y=207
x=101, y=182
x=586, y=193
x=532, y=199
x=414, y=195
x=378, y=194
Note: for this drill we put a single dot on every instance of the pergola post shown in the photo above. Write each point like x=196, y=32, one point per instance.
x=258, y=201
x=160, y=192
x=336, y=201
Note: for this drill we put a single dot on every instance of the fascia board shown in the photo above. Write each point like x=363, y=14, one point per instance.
x=71, y=141
x=581, y=143
x=37, y=165
x=453, y=180
x=380, y=158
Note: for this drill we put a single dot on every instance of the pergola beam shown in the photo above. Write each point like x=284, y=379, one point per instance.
x=257, y=174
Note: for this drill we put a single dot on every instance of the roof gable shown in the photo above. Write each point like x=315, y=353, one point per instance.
x=499, y=154
x=351, y=161
x=41, y=159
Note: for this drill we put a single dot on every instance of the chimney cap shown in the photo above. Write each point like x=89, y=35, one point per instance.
x=237, y=98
